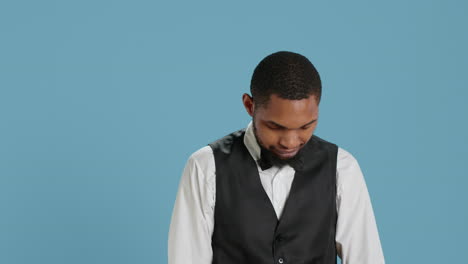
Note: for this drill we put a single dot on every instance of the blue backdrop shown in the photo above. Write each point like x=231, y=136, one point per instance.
x=102, y=102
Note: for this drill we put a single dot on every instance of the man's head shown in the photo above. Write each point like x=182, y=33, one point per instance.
x=286, y=91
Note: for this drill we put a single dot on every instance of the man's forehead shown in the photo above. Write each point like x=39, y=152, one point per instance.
x=291, y=123
x=288, y=108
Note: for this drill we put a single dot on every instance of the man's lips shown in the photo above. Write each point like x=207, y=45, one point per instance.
x=289, y=153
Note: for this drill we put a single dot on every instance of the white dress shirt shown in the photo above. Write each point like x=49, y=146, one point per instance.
x=192, y=222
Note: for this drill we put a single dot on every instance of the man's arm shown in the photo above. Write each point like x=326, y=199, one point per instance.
x=357, y=237
x=191, y=223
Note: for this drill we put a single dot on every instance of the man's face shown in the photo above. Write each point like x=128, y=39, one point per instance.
x=284, y=126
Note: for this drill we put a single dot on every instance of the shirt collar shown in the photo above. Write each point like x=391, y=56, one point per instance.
x=250, y=141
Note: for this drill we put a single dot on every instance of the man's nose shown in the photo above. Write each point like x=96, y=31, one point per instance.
x=290, y=141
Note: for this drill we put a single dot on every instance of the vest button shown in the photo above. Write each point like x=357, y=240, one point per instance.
x=279, y=238
x=280, y=260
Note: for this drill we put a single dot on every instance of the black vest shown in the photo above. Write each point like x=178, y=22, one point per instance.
x=246, y=228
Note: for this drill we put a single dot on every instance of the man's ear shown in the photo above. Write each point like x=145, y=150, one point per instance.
x=249, y=105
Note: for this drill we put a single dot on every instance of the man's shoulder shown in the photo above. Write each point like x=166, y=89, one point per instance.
x=344, y=157
x=224, y=144
x=320, y=143
x=202, y=156
x=205, y=154
x=323, y=141
x=227, y=139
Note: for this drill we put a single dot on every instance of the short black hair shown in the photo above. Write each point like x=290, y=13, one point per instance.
x=287, y=74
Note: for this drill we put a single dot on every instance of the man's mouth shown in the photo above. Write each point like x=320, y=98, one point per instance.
x=286, y=154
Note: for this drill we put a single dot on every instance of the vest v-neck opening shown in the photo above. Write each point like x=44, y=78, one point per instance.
x=271, y=206
x=259, y=185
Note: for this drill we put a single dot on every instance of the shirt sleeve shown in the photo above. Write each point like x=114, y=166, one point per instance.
x=357, y=238
x=191, y=227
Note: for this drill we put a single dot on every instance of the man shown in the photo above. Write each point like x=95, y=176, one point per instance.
x=274, y=192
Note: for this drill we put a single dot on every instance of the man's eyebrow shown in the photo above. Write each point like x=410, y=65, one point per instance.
x=281, y=126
